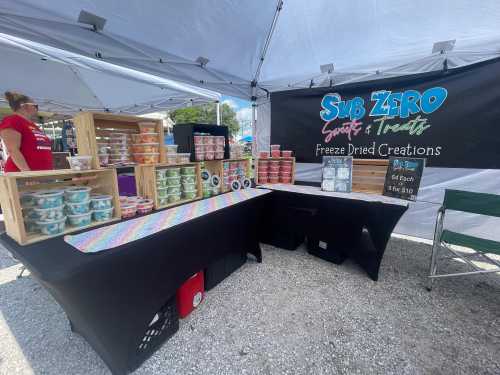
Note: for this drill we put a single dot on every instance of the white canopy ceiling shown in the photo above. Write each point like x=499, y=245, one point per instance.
x=63, y=86
x=363, y=39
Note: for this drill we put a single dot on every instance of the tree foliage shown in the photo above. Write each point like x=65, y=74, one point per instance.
x=207, y=114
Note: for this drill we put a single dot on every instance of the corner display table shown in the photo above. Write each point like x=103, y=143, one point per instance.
x=117, y=283
x=336, y=225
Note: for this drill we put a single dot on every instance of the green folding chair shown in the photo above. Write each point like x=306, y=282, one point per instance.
x=464, y=201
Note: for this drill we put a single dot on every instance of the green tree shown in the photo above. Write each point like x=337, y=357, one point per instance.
x=207, y=114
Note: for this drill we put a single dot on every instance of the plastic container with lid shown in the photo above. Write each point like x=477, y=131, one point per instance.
x=48, y=198
x=144, y=206
x=102, y=148
x=77, y=194
x=147, y=127
x=47, y=214
x=188, y=186
x=198, y=139
x=263, y=154
x=99, y=202
x=219, y=148
x=147, y=157
x=103, y=215
x=171, y=149
x=28, y=199
x=285, y=180
x=183, y=158
x=200, y=156
x=162, y=192
x=286, y=153
x=219, y=155
x=275, y=153
x=80, y=163
x=188, y=179
x=148, y=138
x=189, y=194
x=103, y=159
x=188, y=170
x=116, y=158
x=116, y=135
x=173, y=198
x=145, y=147
x=275, y=147
x=173, y=181
x=208, y=140
x=128, y=210
x=220, y=140
x=80, y=220
x=174, y=189
x=274, y=168
x=161, y=183
x=52, y=227
x=173, y=172
x=287, y=168
x=171, y=159
x=161, y=174
x=208, y=148
x=78, y=208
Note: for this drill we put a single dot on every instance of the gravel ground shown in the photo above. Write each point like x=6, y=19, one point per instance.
x=293, y=314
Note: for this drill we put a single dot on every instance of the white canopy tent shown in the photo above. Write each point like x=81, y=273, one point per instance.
x=251, y=48
x=63, y=87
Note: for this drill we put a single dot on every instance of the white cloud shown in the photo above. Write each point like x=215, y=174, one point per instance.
x=230, y=103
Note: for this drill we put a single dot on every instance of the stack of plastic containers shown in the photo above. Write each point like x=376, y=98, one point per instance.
x=47, y=211
x=188, y=182
x=119, y=145
x=285, y=170
x=176, y=183
x=103, y=152
x=146, y=144
x=263, y=171
x=208, y=147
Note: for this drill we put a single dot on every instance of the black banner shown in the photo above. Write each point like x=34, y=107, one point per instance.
x=450, y=118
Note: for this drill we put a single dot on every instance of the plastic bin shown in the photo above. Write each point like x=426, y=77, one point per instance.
x=190, y=294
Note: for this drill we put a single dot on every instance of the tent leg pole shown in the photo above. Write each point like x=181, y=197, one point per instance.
x=218, y=113
x=254, y=130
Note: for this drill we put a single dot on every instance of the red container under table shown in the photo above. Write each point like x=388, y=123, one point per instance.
x=190, y=294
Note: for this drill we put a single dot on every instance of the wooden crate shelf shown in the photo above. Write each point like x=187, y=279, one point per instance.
x=217, y=167
x=256, y=176
x=90, y=127
x=145, y=179
x=13, y=184
x=368, y=175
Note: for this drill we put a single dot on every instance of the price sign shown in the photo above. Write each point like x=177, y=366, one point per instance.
x=403, y=178
x=337, y=174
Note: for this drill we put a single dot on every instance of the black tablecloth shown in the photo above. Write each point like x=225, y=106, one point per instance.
x=111, y=297
x=350, y=226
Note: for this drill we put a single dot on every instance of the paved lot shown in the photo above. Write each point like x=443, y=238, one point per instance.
x=293, y=314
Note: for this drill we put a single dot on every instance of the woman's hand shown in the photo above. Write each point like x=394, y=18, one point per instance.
x=12, y=140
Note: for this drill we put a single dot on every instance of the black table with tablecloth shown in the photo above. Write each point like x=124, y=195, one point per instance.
x=121, y=300
x=335, y=225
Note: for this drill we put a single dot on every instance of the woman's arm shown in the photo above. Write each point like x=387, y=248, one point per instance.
x=12, y=140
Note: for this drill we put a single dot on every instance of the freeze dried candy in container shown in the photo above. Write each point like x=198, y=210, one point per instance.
x=80, y=163
x=80, y=220
x=77, y=194
x=103, y=159
x=99, y=202
x=147, y=158
x=286, y=153
x=183, y=158
x=171, y=149
x=173, y=172
x=162, y=192
x=48, y=198
x=146, y=147
x=78, y=208
x=144, y=206
x=48, y=214
x=52, y=227
x=148, y=138
x=173, y=198
x=171, y=159
x=129, y=210
x=147, y=127
x=103, y=215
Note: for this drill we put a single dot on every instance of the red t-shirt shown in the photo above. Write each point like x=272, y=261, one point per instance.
x=35, y=145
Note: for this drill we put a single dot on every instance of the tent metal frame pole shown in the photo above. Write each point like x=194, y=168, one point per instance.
x=218, y=112
x=254, y=130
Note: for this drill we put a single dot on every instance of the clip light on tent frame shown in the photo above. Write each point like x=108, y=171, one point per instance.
x=91, y=19
x=443, y=46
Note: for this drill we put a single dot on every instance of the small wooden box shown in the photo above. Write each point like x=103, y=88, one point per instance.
x=368, y=175
x=90, y=126
x=217, y=167
x=145, y=179
x=102, y=181
x=257, y=168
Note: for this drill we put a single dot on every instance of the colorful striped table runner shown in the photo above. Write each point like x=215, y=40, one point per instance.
x=118, y=234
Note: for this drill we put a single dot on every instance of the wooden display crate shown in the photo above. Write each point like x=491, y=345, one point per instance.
x=145, y=180
x=257, y=168
x=368, y=175
x=13, y=184
x=90, y=127
x=217, y=167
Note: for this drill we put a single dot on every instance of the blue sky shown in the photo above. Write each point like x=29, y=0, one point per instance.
x=243, y=109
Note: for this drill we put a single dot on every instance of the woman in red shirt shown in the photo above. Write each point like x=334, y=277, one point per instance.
x=28, y=147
